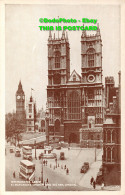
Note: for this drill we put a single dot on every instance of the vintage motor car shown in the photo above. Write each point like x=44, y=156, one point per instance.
x=17, y=153
x=58, y=148
x=85, y=167
x=11, y=150
x=62, y=156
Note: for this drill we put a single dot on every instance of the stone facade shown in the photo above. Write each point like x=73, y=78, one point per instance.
x=30, y=115
x=112, y=135
x=41, y=120
x=76, y=103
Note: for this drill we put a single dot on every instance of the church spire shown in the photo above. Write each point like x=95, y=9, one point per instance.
x=98, y=29
x=67, y=36
x=54, y=36
x=63, y=35
x=20, y=88
x=20, y=85
x=83, y=32
x=50, y=35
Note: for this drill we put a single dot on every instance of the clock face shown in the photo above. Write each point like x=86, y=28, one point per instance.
x=18, y=97
x=91, y=78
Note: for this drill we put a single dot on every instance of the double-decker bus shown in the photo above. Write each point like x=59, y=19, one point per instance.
x=27, y=152
x=27, y=170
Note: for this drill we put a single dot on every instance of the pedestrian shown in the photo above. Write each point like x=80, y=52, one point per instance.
x=102, y=186
x=91, y=180
x=47, y=181
x=65, y=167
x=67, y=171
x=46, y=162
x=94, y=184
x=14, y=174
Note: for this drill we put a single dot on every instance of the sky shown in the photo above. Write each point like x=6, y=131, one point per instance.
x=26, y=56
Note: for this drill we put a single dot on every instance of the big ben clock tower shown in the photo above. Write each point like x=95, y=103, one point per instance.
x=20, y=103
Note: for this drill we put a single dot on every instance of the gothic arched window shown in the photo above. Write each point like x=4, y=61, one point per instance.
x=90, y=125
x=91, y=54
x=98, y=136
x=109, y=136
x=42, y=123
x=57, y=59
x=108, y=154
x=74, y=105
x=113, y=154
x=113, y=136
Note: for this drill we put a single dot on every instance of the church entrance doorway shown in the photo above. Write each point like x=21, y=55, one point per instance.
x=72, y=138
x=57, y=125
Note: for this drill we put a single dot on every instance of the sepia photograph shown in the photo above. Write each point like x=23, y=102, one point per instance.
x=62, y=97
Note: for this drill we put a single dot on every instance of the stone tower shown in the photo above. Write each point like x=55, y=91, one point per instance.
x=58, y=60
x=20, y=103
x=30, y=115
x=58, y=75
x=109, y=89
x=91, y=72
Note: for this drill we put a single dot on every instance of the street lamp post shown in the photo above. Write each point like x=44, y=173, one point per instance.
x=35, y=148
x=42, y=171
x=95, y=151
x=54, y=136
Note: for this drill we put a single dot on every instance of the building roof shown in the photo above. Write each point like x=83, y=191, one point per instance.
x=27, y=162
x=27, y=147
x=76, y=76
x=96, y=129
x=20, y=89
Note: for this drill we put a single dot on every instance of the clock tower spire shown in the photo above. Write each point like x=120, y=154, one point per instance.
x=20, y=102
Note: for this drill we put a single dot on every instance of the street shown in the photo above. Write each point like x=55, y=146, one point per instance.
x=57, y=177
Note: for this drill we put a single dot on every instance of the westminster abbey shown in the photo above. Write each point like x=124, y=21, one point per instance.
x=75, y=102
